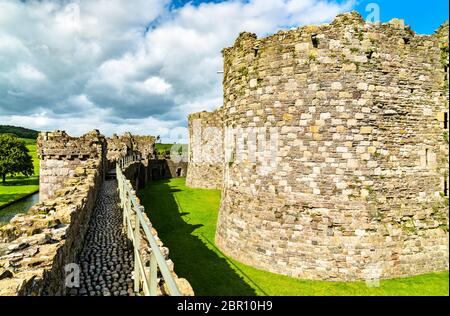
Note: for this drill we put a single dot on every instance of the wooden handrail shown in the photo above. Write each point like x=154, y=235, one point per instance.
x=131, y=208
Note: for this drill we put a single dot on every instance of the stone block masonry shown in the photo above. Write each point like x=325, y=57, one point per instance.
x=360, y=185
x=145, y=145
x=151, y=167
x=127, y=144
x=177, y=169
x=35, y=247
x=166, y=168
x=61, y=154
x=119, y=146
x=206, y=150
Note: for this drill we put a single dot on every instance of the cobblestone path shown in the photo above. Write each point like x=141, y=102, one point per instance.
x=106, y=261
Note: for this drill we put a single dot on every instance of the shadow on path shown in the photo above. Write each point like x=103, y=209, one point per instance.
x=208, y=273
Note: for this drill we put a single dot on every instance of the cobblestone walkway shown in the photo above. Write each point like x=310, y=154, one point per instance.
x=106, y=261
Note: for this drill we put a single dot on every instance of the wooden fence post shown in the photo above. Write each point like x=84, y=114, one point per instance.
x=137, y=247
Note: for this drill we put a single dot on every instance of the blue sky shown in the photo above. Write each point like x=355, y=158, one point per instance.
x=423, y=16
x=144, y=65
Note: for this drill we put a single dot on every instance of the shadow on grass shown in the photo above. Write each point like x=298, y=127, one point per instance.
x=20, y=181
x=208, y=273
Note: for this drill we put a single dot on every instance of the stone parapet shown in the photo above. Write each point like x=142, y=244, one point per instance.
x=61, y=154
x=128, y=144
x=35, y=247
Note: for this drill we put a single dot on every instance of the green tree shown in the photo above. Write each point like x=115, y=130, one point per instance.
x=14, y=157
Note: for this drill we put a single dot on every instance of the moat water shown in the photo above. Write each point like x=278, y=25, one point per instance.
x=19, y=207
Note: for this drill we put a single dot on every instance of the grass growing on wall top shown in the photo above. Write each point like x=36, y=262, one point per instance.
x=186, y=219
x=20, y=186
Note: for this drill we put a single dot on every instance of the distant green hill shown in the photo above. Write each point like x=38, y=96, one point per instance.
x=19, y=131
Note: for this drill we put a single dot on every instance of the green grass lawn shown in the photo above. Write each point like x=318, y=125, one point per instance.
x=19, y=186
x=163, y=146
x=186, y=218
x=163, y=149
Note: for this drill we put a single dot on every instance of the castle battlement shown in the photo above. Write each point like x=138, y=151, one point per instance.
x=127, y=144
x=60, y=155
x=360, y=185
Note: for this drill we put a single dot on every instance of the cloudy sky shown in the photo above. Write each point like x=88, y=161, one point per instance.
x=130, y=65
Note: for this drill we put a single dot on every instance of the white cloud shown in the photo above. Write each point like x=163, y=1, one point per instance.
x=155, y=85
x=68, y=21
x=85, y=64
x=28, y=72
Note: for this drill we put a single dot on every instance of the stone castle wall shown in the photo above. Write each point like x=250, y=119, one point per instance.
x=357, y=186
x=206, y=150
x=127, y=144
x=35, y=247
x=61, y=154
x=119, y=146
x=145, y=145
x=177, y=169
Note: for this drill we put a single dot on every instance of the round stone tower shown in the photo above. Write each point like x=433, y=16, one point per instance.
x=358, y=185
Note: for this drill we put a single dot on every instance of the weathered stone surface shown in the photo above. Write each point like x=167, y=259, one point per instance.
x=5, y=273
x=75, y=226
x=128, y=144
x=35, y=247
x=10, y=287
x=157, y=169
x=360, y=144
x=151, y=166
x=62, y=157
x=206, y=150
x=184, y=286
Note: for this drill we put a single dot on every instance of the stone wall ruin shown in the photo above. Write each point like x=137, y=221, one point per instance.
x=35, y=247
x=360, y=185
x=61, y=154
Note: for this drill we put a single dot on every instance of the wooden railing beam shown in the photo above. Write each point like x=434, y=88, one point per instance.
x=131, y=207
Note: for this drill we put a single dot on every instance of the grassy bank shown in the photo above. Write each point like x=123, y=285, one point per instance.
x=186, y=218
x=19, y=186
